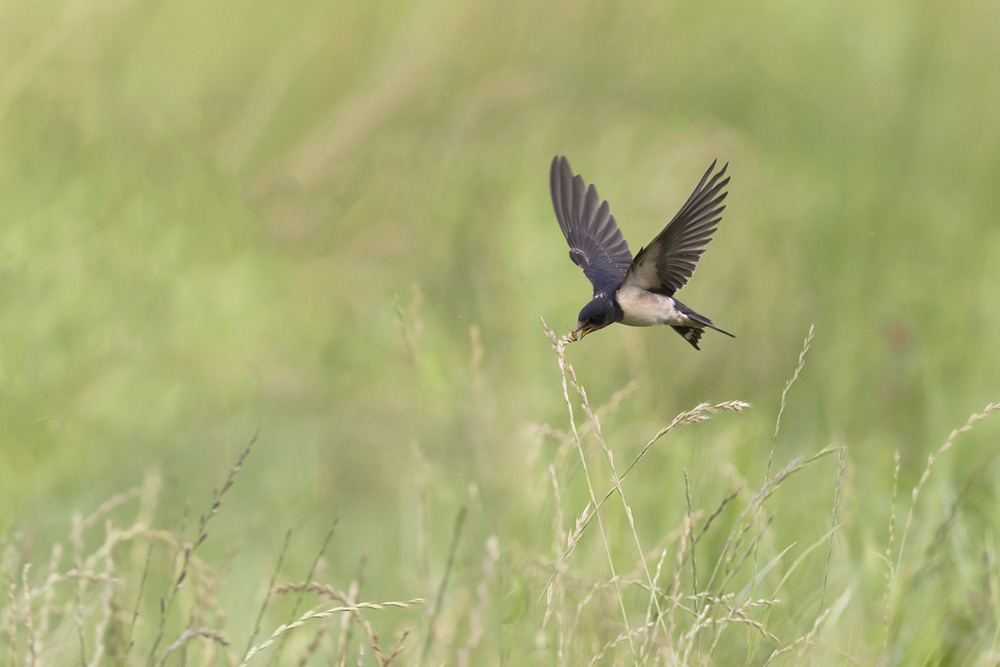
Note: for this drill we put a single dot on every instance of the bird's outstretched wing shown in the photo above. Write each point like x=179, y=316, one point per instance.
x=596, y=244
x=668, y=262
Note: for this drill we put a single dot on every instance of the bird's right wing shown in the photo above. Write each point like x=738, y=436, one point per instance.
x=596, y=244
x=666, y=264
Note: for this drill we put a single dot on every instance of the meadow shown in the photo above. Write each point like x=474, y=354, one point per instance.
x=282, y=328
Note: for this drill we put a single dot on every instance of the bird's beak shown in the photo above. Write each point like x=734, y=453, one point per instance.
x=580, y=332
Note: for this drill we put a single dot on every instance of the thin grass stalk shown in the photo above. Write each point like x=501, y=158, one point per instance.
x=309, y=577
x=699, y=413
x=476, y=631
x=12, y=621
x=49, y=591
x=348, y=601
x=353, y=595
x=325, y=613
x=28, y=620
x=129, y=643
x=102, y=624
x=439, y=601
x=777, y=429
x=185, y=638
x=841, y=465
x=561, y=539
x=585, y=405
x=267, y=595
x=166, y=602
x=655, y=591
x=559, y=347
x=694, y=562
x=927, y=471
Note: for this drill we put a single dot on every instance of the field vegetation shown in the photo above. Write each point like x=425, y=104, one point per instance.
x=283, y=317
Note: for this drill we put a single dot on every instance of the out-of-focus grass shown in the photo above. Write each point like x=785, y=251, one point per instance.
x=210, y=211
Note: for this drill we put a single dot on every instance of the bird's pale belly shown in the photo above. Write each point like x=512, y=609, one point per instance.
x=643, y=308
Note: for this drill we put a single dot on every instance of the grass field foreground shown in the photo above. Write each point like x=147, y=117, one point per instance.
x=328, y=224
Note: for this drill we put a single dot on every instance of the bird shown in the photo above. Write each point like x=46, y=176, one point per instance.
x=637, y=291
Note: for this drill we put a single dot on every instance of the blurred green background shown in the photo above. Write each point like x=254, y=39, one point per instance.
x=330, y=222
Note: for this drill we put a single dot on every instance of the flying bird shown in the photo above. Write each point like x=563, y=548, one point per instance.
x=637, y=291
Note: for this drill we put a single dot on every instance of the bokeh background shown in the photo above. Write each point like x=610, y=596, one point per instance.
x=329, y=223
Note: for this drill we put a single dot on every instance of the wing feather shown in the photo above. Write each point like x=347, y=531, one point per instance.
x=596, y=244
x=669, y=261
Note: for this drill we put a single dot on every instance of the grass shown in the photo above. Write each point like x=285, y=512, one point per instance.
x=609, y=590
x=329, y=224
x=90, y=609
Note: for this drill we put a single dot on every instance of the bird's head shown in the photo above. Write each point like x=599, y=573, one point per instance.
x=597, y=314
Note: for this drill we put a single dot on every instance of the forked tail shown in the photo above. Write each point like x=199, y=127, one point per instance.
x=692, y=334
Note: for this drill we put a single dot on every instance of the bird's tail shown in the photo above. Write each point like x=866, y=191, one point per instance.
x=711, y=325
x=692, y=334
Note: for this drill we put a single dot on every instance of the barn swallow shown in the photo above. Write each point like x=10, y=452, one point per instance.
x=638, y=292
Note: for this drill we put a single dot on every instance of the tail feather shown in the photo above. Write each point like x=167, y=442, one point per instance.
x=699, y=318
x=711, y=325
x=692, y=334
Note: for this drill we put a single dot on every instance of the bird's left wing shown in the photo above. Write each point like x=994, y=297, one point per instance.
x=596, y=244
x=668, y=262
